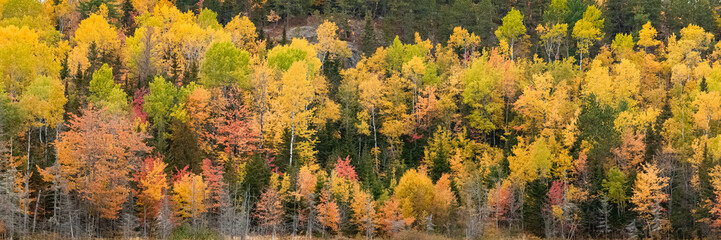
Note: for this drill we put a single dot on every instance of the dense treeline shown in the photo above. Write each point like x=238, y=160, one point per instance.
x=560, y=119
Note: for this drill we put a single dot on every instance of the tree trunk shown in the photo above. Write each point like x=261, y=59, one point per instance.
x=292, y=136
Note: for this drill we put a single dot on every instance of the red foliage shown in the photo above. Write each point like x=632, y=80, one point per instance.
x=344, y=169
x=180, y=173
x=235, y=128
x=555, y=195
x=213, y=175
x=138, y=102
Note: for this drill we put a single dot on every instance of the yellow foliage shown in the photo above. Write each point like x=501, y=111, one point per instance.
x=189, y=195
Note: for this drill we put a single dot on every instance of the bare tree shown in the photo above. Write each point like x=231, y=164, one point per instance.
x=164, y=219
x=9, y=199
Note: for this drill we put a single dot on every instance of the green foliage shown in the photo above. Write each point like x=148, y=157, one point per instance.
x=225, y=65
x=512, y=27
x=21, y=8
x=186, y=231
x=208, y=19
x=482, y=95
x=616, y=186
x=104, y=93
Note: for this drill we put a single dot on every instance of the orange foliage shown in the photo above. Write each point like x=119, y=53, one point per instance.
x=96, y=156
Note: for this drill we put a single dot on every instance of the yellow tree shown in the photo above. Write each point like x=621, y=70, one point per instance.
x=329, y=46
x=647, y=36
x=512, y=28
x=461, y=39
x=708, y=110
x=481, y=93
x=296, y=94
x=587, y=31
x=415, y=193
x=94, y=31
x=395, y=118
x=684, y=54
x=552, y=37
x=364, y=214
x=414, y=70
x=189, y=195
x=648, y=195
x=24, y=57
x=243, y=34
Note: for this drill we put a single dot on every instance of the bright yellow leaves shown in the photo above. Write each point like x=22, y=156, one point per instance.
x=189, y=193
x=96, y=33
x=462, y=39
x=647, y=36
x=24, y=57
x=587, y=31
x=708, y=107
x=363, y=208
x=648, y=194
x=419, y=198
x=329, y=46
x=243, y=34
x=44, y=100
x=622, y=85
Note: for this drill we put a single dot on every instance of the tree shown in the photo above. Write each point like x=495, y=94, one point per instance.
x=269, y=211
x=158, y=105
x=363, y=212
x=96, y=155
x=329, y=46
x=295, y=97
x=104, y=93
x=480, y=93
x=345, y=170
x=552, y=37
x=391, y=217
x=93, y=34
x=512, y=28
x=215, y=185
x=24, y=56
x=709, y=110
x=648, y=195
x=243, y=34
x=615, y=186
x=587, y=31
x=443, y=202
x=225, y=65
x=43, y=101
x=647, y=37
x=152, y=184
x=461, y=39
x=623, y=44
x=190, y=192
x=415, y=193
x=328, y=213
x=631, y=153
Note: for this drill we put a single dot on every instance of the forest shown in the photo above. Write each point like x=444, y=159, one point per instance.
x=360, y=119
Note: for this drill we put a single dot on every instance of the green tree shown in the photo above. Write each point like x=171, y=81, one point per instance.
x=482, y=94
x=512, y=28
x=615, y=186
x=158, y=105
x=587, y=31
x=104, y=93
x=225, y=65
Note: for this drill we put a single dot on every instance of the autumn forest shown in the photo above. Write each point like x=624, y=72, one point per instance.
x=360, y=119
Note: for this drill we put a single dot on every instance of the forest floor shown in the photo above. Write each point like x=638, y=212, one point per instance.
x=407, y=235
